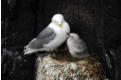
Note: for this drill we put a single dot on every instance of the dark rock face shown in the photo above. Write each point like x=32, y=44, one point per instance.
x=17, y=29
x=96, y=21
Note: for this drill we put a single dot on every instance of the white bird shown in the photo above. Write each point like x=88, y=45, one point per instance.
x=77, y=47
x=51, y=37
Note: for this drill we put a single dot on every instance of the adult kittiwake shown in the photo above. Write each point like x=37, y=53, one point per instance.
x=77, y=47
x=51, y=37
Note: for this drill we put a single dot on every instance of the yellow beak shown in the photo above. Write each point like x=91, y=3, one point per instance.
x=60, y=25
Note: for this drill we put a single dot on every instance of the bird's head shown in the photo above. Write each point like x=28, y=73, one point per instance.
x=73, y=36
x=58, y=19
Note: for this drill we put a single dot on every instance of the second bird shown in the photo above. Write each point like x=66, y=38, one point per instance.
x=77, y=47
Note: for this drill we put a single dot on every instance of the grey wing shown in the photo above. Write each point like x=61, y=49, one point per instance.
x=80, y=44
x=44, y=37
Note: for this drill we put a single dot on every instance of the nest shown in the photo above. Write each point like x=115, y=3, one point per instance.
x=62, y=66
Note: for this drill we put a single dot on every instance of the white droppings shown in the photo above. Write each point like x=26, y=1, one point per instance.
x=83, y=68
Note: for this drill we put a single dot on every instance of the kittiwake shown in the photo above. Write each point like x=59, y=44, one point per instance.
x=77, y=47
x=51, y=37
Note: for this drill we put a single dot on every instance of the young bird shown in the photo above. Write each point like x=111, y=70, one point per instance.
x=77, y=47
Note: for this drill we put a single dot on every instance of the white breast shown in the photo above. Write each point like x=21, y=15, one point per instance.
x=61, y=35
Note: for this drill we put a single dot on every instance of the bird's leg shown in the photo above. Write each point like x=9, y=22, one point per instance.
x=54, y=53
x=55, y=50
x=51, y=53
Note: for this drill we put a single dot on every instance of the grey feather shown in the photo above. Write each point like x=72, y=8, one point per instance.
x=77, y=46
x=43, y=38
x=82, y=45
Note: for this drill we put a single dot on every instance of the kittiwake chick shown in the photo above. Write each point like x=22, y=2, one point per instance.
x=77, y=47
